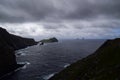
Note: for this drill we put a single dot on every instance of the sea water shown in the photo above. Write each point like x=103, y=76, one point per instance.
x=43, y=61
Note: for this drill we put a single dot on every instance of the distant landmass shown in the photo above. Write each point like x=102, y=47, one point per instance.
x=50, y=40
x=8, y=44
x=103, y=64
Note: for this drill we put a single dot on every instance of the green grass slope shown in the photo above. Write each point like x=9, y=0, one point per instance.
x=103, y=64
x=50, y=40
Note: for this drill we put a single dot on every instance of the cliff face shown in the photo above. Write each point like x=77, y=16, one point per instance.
x=14, y=41
x=7, y=57
x=104, y=64
x=9, y=43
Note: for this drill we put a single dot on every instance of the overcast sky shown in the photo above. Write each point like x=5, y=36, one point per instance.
x=61, y=18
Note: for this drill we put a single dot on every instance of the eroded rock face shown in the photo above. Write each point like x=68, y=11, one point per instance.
x=8, y=44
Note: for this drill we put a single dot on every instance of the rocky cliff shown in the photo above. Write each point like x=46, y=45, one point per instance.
x=103, y=64
x=14, y=41
x=8, y=44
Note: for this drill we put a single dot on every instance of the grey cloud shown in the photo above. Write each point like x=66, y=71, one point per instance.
x=96, y=8
x=78, y=18
x=54, y=26
x=24, y=10
x=37, y=10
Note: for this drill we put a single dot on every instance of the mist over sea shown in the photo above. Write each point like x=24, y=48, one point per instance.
x=42, y=62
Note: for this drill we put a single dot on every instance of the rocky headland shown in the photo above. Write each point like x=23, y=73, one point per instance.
x=8, y=44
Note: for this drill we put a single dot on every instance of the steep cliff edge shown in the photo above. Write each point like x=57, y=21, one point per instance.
x=8, y=44
x=14, y=41
x=104, y=64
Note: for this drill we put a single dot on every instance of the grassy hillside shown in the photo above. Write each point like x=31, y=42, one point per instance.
x=104, y=64
x=50, y=40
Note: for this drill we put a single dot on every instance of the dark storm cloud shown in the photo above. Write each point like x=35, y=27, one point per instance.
x=24, y=10
x=54, y=26
x=61, y=18
x=96, y=8
x=53, y=10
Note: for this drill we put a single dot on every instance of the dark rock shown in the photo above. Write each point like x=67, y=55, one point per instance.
x=14, y=41
x=42, y=43
x=8, y=44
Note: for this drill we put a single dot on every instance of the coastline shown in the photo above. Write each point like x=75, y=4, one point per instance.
x=103, y=64
x=15, y=69
x=8, y=44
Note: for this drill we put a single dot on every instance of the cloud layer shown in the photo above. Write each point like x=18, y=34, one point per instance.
x=36, y=10
x=78, y=18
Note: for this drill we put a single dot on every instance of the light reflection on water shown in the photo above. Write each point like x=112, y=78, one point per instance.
x=42, y=62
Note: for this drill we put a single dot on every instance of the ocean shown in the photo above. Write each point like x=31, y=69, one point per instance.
x=43, y=61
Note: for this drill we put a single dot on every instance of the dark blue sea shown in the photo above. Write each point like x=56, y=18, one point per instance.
x=42, y=62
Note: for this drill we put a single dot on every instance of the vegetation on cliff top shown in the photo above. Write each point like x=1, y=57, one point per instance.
x=104, y=64
x=50, y=40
